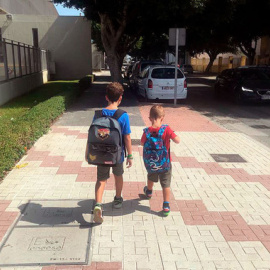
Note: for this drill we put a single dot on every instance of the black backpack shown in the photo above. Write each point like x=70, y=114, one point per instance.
x=105, y=141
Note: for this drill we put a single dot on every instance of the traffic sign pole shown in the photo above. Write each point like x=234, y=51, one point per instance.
x=175, y=67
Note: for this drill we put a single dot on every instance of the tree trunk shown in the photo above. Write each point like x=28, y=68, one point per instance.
x=115, y=63
x=211, y=62
x=113, y=40
x=209, y=66
x=249, y=51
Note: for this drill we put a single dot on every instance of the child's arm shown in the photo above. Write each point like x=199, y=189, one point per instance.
x=176, y=139
x=143, y=139
x=127, y=140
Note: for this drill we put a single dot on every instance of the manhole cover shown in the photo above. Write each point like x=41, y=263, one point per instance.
x=135, y=141
x=260, y=126
x=227, y=158
x=49, y=232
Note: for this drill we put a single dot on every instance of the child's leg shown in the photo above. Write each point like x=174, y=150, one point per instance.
x=165, y=181
x=119, y=181
x=151, y=179
x=166, y=194
x=99, y=190
x=118, y=178
x=103, y=173
x=150, y=185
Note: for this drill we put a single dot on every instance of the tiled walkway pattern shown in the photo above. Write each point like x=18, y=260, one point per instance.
x=220, y=215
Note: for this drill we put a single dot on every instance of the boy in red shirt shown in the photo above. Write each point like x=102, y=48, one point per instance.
x=163, y=174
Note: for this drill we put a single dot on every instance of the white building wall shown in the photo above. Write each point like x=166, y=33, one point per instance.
x=67, y=38
x=28, y=7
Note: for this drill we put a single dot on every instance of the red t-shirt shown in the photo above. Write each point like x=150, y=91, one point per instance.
x=167, y=135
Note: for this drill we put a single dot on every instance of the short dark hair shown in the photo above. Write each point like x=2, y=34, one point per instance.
x=114, y=91
x=156, y=112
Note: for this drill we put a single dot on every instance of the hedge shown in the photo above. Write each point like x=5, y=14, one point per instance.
x=17, y=134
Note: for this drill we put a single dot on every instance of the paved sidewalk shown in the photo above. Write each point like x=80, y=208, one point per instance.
x=220, y=199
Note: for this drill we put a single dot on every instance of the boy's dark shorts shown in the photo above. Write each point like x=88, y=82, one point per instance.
x=103, y=173
x=164, y=178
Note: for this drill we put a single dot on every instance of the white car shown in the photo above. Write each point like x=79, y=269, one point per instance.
x=157, y=82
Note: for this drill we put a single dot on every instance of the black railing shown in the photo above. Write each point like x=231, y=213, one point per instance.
x=18, y=59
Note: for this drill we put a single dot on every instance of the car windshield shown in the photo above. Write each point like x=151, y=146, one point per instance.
x=145, y=64
x=165, y=73
x=254, y=75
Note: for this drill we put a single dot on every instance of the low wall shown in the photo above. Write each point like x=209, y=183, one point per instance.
x=17, y=87
x=221, y=63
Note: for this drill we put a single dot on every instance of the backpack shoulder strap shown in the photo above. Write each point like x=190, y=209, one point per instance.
x=162, y=130
x=147, y=133
x=118, y=114
x=98, y=114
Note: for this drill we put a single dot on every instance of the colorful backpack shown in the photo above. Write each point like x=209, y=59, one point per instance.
x=105, y=141
x=155, y=154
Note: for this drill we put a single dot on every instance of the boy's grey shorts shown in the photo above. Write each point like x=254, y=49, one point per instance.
x=103, y=173
x=164, y=178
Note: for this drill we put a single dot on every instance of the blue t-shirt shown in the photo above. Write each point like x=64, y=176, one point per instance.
x=124, y=124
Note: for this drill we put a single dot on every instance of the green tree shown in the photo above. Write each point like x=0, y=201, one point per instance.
x=209, y=31
x=250, y=22
x=121, y=24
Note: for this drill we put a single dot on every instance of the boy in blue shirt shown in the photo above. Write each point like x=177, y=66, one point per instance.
x=114, y=93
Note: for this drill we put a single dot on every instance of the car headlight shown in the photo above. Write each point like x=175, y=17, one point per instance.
x=246, y=89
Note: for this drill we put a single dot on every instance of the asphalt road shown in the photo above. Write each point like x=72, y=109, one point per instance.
x=250, y=119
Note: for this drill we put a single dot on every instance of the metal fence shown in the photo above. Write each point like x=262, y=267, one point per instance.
x=19, y=59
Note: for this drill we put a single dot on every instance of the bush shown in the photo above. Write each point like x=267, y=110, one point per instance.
x=18, y=133
x=86, y=81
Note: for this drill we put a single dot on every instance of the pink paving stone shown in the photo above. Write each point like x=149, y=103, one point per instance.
x=56, y=129
x=36, y=155
x=86, y=178
x=4, y=205
x=70, y=167
x=72, y=132
x=48, y=268
x=52, y=161
x=109, y=265
x=82, y=136
x=267, y=245
x=183, y=119
x=173, y=157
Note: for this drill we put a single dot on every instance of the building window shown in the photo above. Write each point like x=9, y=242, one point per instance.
x=35, y=37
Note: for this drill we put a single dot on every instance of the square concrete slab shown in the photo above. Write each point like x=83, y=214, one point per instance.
x=41, y=246
x=49, y=232
x=229, y=158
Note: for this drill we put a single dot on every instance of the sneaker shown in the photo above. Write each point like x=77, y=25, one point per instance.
x=117, y=202
x=166, y=209
x=147, y=192
x=98, y=218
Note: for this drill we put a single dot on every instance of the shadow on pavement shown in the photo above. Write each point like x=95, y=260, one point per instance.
x=36, y=214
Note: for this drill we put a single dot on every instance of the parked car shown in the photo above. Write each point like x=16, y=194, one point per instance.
x=138, y=68
x=243, y=84
x=157, y=82
x=187, y=68
x=264, y=68
x=128, y=71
